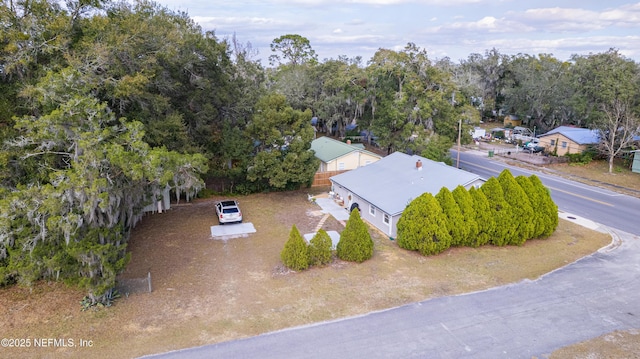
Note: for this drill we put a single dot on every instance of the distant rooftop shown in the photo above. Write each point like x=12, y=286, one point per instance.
x=581, y=136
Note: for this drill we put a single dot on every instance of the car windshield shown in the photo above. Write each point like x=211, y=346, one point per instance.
x=230, y=210
x=228, y=203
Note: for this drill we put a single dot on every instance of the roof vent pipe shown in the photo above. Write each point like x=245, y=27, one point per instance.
x=419, y=165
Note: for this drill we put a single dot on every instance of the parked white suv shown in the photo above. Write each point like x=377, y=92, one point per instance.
x=228, y=211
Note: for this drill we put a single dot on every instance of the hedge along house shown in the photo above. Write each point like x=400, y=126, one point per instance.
x=336, y=155
x=383, y=189
x=568, y=139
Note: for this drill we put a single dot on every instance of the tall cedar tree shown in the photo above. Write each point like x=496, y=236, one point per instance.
x=484, y=218
x=320, y=248
x=467, y=209
x=455, y=221
x=355, y=243
x=537, y=202
x=549, y=207
x=501, y=212
x=423, y=226
x=295, y=254
x=521, y=210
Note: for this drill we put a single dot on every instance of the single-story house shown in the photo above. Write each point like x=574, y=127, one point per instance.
x=336, y=155
x=568, y=139
x=383, y=189
x=511, y=120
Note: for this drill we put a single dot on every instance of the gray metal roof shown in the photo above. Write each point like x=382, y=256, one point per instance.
x=581, y=136
x=393, y=182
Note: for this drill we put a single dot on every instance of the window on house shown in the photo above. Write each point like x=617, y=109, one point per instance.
x=340, y=166
x=386, y=218
x=553, y=142
x=372, y=210
x=564, y=144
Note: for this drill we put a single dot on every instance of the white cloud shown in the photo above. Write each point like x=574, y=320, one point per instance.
x=454, y=28
x=575, y=20
x=487, y=24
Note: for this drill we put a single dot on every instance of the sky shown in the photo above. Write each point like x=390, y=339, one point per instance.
x=444, y=28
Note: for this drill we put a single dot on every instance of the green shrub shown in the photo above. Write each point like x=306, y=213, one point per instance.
x=484, y=218
x=520, y=208
x=548, y=207
x=320, y=248
x=423, y=226
x=355, y=243
x=538, y=218
x=206, y=193
x=467, y=209
x=295, y=254
x=500, y=211
x=582, y=158
x=455, y=221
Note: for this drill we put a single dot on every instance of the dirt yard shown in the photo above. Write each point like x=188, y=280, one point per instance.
x=208, y=291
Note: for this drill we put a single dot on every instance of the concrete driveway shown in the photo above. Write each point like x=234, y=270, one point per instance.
x=593, y=296
x=232, y=230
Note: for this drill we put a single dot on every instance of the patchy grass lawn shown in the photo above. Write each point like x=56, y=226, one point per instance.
x=208, y=291
x=618, y=344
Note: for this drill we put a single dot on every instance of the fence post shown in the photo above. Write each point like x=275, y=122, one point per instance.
x=149, y=280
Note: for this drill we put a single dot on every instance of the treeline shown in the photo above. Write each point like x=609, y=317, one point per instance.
x=503, y=211
x=103, y=105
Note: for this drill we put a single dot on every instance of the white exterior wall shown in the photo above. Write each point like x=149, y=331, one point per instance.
x=377, y=219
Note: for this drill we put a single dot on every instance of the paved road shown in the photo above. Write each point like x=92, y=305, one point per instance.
x=600, y=205
x=591, y=297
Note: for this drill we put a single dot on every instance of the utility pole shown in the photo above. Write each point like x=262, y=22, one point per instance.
x=459, y=133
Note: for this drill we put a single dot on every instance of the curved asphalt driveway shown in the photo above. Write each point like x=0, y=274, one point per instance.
x=593, y=296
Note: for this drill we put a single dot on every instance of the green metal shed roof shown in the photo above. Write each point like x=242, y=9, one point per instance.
x=327, y=149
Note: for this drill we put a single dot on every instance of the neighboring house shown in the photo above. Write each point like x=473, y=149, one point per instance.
x=335, y=155
x=512, y=120
x=383, y=189
x=568, y=139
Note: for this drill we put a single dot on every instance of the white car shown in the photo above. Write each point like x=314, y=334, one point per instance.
x=228, y=211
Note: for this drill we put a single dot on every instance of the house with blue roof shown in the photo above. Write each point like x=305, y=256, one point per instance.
x=569, y=139
x=382, y=190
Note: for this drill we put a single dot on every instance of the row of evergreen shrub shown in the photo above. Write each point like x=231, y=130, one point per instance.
x=503, y=211
x=355, y=245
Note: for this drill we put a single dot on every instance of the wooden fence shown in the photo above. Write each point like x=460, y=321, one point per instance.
x=321, y=179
